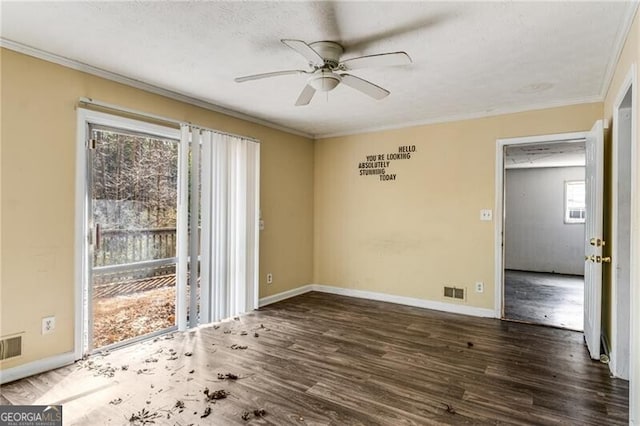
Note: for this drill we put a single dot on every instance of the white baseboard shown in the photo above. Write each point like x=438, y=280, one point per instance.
x=409, y=301
x=35, y=367
x=57, y=361
x=285, y=295
x=383, y=297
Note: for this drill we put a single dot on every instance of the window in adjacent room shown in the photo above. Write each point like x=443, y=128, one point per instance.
x=574, y=201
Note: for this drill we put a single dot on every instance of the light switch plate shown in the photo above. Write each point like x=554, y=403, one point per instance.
x=486, y=214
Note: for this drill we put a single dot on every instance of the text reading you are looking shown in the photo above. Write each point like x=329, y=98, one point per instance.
x=377, y=164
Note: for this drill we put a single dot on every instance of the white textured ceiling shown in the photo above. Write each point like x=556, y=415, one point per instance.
x=550, y=154
x=469, y=58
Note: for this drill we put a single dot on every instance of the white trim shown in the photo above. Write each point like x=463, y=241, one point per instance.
x=159, y=118
x=629, y=83
x=382, y=297
x=84, y=117
x=89, y=69
x=80, y=232
x=499, y=200
x=268, y=300
x=467, y=116
x=36, y=367
x=408, y=301
x=617, y=50
x=76, y=65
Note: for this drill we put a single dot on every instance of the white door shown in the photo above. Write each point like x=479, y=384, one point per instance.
x=593, y=239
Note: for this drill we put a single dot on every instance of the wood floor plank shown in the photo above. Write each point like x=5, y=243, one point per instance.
x=332, y=360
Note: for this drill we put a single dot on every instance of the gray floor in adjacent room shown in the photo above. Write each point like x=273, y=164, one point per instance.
x=543, y=298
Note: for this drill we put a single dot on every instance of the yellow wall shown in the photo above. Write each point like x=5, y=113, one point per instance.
x=412, y=236
x=38, y=176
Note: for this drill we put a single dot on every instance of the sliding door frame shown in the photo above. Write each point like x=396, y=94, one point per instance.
x=83, y=232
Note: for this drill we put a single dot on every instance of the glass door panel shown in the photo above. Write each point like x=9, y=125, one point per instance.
x=133, y=203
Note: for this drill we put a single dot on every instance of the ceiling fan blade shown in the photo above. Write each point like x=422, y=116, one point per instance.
x=380, y=60
x=267, y=75
x=305, y=96
x=366, y=87
x=305, y=50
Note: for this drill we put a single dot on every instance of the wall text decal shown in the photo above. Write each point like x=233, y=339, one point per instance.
x=377, y=164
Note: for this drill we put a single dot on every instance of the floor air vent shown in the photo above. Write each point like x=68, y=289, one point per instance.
x=454, y=293
x=10, y=347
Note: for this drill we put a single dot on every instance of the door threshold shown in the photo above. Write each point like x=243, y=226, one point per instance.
x=541, y=324
x=132, y=341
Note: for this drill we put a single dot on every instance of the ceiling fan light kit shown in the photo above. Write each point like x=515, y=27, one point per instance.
x=324, y=81
x=327, y=71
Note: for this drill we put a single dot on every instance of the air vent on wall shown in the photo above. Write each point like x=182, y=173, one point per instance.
x=454, y=293
x=10, y=347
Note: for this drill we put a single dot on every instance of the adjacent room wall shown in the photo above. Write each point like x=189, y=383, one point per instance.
x=415, y=234
x=536, y=235
x=38, y=190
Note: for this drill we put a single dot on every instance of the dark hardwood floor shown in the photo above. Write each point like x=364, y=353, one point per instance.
x=326, y=359
x=542, y=298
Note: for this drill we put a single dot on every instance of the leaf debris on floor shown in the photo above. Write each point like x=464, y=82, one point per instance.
x=206, y=413
x=236, y=346
x=215, y=395
x=143, y=417
x=227, y=376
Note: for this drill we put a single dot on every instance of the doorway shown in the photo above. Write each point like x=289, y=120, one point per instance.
x=131, y=218
x=592, y=241
x=544, y=215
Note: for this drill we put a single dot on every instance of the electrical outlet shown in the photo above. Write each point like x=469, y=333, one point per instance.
x=479, y=287
x=48, y=325
x=269, y=278
x=486, y=215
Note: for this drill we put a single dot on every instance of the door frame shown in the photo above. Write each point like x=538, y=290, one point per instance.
x=500, y=209
x=628, y=84
x=82, y=230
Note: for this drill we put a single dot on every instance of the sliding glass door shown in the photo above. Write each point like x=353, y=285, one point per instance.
x=132, y=191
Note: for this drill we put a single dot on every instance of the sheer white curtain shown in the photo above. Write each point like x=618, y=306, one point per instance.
x=228, y=206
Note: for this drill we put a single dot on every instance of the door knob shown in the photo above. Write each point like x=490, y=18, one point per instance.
x=606, y=259
x=596, y=242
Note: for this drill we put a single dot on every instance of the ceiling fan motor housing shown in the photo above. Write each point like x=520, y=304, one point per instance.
x=330, y=52
x=324, y=79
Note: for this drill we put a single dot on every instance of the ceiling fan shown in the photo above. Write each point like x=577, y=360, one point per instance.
x=327, y=70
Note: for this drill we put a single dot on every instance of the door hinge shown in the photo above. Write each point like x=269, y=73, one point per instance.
x=91, y=144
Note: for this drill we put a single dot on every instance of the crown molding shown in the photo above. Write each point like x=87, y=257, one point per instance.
x=138, y=84
x=617, y=48
x=80, y=66
x=468, y=116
